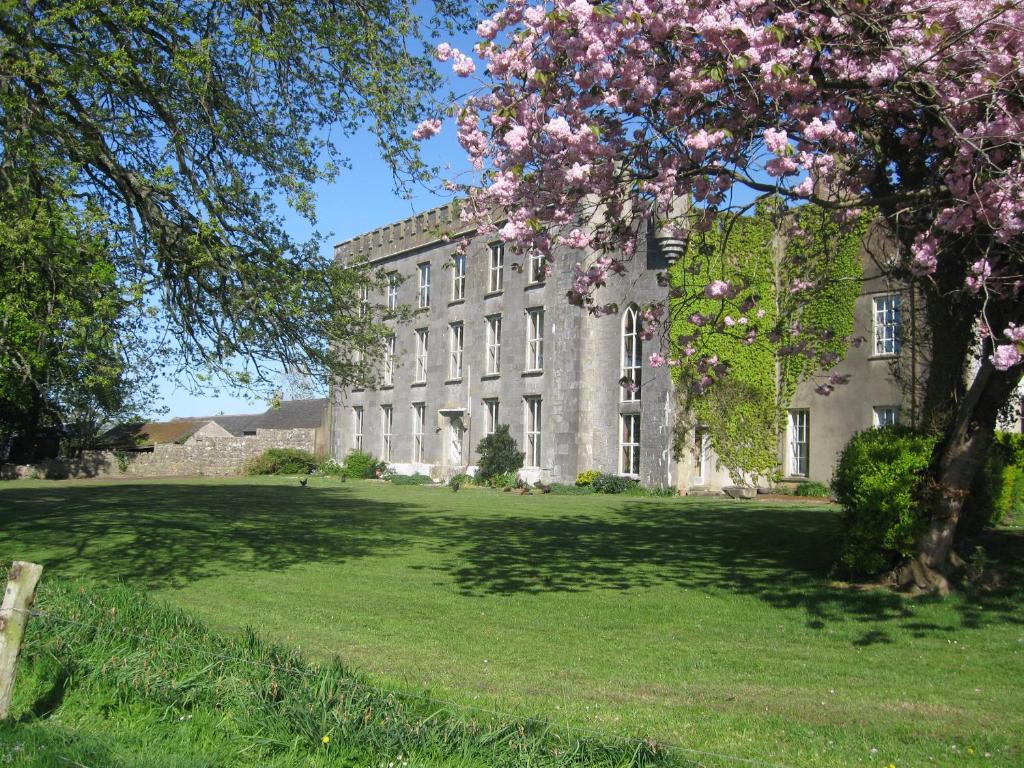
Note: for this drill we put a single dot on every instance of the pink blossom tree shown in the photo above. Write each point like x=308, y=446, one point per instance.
x=597, y=119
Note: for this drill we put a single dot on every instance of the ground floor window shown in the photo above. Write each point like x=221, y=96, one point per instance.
x=357, y=428
x=799, y=442
x=700, y=453
x=493, y=406
x=386, y=422
x=629, y=444
x=533, y=425
x=419, y=418
x=886, y=415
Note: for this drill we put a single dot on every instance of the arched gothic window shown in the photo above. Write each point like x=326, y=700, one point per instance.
x=632, y=354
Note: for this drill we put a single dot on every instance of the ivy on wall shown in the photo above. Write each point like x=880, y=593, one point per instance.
x=795, y=276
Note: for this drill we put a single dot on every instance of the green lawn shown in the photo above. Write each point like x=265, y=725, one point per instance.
x=706, y=623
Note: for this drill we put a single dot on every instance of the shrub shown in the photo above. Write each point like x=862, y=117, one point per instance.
x=330, y=468
x=612, y=483
x=563, y=489
x=998, y=492
x=499, y=454
x=812, y=488
x=877, y=480
x=282, y=461
x=587, y=478
x=505, y=480
x=461, y=481
x=416, y=479
x=361, y=464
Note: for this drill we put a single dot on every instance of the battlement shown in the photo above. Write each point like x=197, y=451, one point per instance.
x=415, y=232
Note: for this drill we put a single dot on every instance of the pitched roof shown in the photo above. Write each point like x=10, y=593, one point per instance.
x=143, y=434
x=290, y=414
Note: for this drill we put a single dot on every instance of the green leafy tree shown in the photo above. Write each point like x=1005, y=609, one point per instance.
x=172, y=130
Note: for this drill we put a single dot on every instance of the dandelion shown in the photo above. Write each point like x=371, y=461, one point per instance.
x=326, y=739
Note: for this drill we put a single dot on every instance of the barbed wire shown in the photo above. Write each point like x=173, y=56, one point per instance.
x=580, y=732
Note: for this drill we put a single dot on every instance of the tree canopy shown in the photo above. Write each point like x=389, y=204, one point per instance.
x=173, y=131
x=595, y=119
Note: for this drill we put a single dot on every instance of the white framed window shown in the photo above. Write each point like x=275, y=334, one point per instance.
x=496, y=279
x=632, y=354
x=455, y=348
x=424, y=286
x=389, y=361
x=799, y=442
x=887, y=324
x=422, y=342
x=533, y=430
x=538, y=267
x=456, y=432
x=419, y=420
x=493, y=407
x=392, y=291
x=535, y=339
x=629, y=444
x=494, y=344
x=364, y=300
x=357, y=427
x=700, y=454
x=387, y=414
x=886, y=415
x=458, y=277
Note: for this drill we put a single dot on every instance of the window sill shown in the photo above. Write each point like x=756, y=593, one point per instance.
x=492, y=294
x=453, y=381
x=387, y=386
x=884, y=356
x=531, y=286
x=533, y=372
x=490, y=376
x=456, y=302
x=418, y=384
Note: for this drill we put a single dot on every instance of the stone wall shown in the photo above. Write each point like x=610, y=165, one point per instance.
x=210, y=456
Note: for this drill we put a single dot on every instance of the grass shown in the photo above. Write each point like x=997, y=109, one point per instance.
x=710, y=624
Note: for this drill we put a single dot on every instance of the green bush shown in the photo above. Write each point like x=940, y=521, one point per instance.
x=361, y=464
x=282, y=461
x=998, y=493
x=499, y=454
x=587, y=478
x=416, y=479
x=564, y=489
x=811, y=488
x=461, y=480
x=877, y=481
x=504, y=480
x=330, y=468
x=612, y=483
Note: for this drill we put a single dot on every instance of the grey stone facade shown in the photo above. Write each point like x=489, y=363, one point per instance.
x=578, y=384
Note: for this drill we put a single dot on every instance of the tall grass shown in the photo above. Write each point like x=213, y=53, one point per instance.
x=107, y=672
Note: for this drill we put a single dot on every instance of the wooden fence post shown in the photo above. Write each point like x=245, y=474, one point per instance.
x=18, y=597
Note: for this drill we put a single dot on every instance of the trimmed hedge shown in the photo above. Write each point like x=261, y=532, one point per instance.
x=877, y=482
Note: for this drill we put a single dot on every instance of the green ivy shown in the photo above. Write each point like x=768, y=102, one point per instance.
x=761, y=255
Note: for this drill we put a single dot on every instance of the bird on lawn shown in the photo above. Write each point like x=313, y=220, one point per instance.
x=303, y=481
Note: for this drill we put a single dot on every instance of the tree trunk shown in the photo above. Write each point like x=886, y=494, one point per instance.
x=960, y=458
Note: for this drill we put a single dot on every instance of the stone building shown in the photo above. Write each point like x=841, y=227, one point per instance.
x=497, y=342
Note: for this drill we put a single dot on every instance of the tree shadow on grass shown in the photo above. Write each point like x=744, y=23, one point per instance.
x=167, y=534
x=783, y=555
